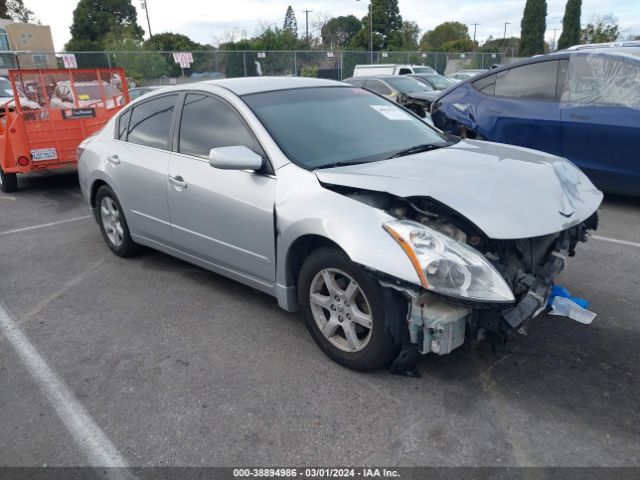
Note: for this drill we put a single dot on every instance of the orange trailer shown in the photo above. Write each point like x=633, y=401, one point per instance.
x=51, y=113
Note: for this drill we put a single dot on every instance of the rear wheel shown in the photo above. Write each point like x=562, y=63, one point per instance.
x=8, y=182
x=343, y=309
x=113, y=224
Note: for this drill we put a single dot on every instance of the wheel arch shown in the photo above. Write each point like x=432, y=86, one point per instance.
x=300, y=249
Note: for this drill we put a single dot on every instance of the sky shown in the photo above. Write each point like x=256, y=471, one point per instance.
x=215, y=21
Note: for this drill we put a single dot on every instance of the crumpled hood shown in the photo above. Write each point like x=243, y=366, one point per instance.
x=508, y=192
x=424, y=95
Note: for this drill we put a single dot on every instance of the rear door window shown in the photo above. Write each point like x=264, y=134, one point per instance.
x=537, y=81
x=378, y=87
x=150, y=122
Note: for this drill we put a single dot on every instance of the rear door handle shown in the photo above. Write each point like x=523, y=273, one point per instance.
x=580, y=117
x=178, y=181
x=113, y=159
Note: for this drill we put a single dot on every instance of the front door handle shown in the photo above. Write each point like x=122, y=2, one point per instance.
x=178, y=181
x=580, y=117
x=113, y=159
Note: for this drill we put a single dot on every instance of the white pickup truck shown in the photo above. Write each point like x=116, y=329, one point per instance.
x=389, y=69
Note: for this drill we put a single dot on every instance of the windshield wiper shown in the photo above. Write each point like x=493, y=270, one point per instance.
x=426, y=147
x=339, y=164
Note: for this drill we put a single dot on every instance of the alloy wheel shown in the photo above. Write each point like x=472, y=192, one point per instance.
x=110, y=215
x=341, y=310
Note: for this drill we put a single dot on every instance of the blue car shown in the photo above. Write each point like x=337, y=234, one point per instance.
x=581, y=104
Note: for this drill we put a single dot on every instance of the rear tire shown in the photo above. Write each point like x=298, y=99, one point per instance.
x=344, y=310
x=8, y=182
x=113, y=224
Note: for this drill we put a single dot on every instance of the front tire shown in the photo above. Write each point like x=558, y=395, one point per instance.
x=343, y=309
x=8, y=182
x=113, y=224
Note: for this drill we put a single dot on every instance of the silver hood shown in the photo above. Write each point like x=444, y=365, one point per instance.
x=508, y=192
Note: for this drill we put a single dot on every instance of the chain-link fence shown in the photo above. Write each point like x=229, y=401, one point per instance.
x=156, y=68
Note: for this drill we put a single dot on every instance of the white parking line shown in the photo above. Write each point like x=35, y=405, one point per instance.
x=4, y=197
x=89, y=437
x=615, y=240
x=43, y=225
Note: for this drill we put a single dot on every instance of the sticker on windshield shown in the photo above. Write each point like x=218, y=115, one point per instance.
x=391, y=112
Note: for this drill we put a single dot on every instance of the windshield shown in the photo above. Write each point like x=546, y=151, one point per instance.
x=323, y=126
x=422, y=70
x=405, y=84
x=439, y=83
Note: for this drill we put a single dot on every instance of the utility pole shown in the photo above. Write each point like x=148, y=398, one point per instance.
x=146, y=9
x=504, y=37
x=475, y=25
x=306, y=13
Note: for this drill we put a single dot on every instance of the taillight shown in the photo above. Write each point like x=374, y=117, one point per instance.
x=23, y=161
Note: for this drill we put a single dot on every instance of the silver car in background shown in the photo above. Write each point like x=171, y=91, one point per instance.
x=392, y=238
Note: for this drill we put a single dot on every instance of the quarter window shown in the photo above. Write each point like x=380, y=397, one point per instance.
x=123, y=124
x=151, y=121
x=536, y=81
x=209, y=123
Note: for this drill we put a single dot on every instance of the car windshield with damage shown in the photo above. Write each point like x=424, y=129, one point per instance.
x=334, y=126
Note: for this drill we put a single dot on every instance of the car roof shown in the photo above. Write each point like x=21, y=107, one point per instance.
x=248, y=85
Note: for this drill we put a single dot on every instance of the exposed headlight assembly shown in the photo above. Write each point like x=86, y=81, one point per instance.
x=447, y=266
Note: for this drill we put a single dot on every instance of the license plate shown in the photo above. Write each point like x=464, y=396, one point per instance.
x=44, y=154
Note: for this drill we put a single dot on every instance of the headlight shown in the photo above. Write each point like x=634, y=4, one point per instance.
x=447, y=266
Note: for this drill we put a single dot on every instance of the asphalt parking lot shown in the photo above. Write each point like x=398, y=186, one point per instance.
x=177, y=366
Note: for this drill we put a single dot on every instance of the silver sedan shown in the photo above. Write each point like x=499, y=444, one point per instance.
x=392, y=238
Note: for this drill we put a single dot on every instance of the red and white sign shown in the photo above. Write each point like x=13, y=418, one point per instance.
x=69, y=60
x=183, y=58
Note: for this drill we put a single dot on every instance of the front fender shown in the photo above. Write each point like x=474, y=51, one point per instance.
x=305, y=207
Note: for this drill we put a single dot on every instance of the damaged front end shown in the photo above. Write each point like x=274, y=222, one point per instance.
x=439, y=323
x=474, y=287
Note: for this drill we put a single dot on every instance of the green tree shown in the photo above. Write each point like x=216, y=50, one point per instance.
x=570, y=25
x=387, y=26
x=290, y=23
x=171, y=42
x=339, y=31
x=445, y=32
x=601, y=30
x=463, y=45
x=139, y=66
x=176, y=42
x=409, y=36
x=533, y=26
x=17, y=11
x=93, y=20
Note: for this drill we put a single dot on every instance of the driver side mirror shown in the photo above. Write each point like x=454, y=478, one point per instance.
x=234, y=158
